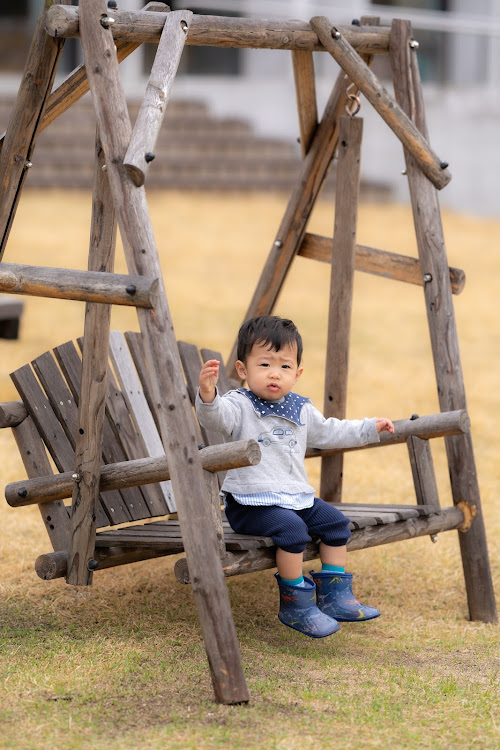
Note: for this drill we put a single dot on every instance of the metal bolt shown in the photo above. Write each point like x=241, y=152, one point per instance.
x=130, y=289
x=335, y=33
x=413, y=417
x=107, y=21
x=414, y=44
x=356, y=22
x=22, y=493
x=112, y=4
x=278, y=243
x=444, y=164
x=286, y=39
x=434, y=538
x=184, y=26
x=92, y=564
x=149, y=156
x=104, y=168
x=427, y=277
x=28, y=164
x=404, y=172
x=76, y=477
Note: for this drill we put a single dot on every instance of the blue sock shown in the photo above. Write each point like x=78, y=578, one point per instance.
x=293, y=581
x=332, y=568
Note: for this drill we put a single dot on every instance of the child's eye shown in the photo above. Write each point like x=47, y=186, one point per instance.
x=264, y=364
x=286, y=367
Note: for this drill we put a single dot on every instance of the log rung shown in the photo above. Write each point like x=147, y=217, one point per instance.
x=379, y=262
x=130, y=473
x=84, y=286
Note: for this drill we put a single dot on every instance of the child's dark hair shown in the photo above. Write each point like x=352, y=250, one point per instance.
x=268, y=329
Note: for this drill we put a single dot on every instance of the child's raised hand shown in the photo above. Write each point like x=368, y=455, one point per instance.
x=209, y=376
x=384, y=425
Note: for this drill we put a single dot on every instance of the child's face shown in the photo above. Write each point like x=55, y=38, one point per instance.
x=270, y=374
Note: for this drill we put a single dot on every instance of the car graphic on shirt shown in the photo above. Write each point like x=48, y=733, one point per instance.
x=278, y=435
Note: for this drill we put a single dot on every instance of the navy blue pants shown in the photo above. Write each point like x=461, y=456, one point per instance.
x=290, y=529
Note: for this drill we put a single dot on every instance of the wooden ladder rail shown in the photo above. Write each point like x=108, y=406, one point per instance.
x=443, y=332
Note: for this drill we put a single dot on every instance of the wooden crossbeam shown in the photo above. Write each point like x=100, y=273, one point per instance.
x=378, y=262
x=221, y=31
x=390, y=111
x=85, y=286
x=140, y=152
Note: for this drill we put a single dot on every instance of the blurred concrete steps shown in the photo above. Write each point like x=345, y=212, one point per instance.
x=195, y=151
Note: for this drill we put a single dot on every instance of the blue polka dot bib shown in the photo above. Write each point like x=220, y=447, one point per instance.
x=288, y=408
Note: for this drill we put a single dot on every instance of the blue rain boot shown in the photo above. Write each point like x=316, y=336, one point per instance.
x=335, y=598
x=298, y=610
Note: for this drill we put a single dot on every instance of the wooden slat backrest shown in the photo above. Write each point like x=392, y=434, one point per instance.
x=137, y=404
x=47, y=424
x=136, y=499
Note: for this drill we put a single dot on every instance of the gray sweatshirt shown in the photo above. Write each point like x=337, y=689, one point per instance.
x=284, y=430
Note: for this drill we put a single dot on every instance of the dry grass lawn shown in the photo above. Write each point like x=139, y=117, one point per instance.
x=122, y=664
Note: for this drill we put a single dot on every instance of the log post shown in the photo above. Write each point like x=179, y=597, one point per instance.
x=305, y=92
x=442, y=328
x=91, y=408
x=174, y=410
x=341, y=289
x=24, y=124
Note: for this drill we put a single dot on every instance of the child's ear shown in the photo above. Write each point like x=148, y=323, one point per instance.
x=241, y=370
x=300, y=370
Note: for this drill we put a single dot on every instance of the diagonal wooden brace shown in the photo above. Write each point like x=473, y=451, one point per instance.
x=140, y=152
x=385, y=105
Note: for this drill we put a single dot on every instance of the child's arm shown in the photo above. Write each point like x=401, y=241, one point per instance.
x=384, y=425
x=209, y=376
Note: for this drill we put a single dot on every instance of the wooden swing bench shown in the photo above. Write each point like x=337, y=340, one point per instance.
x=139, y=490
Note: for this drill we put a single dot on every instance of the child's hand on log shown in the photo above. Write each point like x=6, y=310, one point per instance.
x=384, y=425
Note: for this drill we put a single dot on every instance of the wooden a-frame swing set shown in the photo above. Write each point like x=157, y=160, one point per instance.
x=125, y=440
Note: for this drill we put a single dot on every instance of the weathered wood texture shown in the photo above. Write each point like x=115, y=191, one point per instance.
x=24, y=124
x=12, y=413
x=85, y=286
x=175, y=414
x=221, y=31
x=443, y=332
x=422, y=467
x=76, y=84
x=341, y=289
x=305, y=92
x=34, y=457
x=249, y=554
x=130, y=473
x=251, y=560
x=378, y=262
x=91, y=409
x=140, y=152
x=388, y=109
